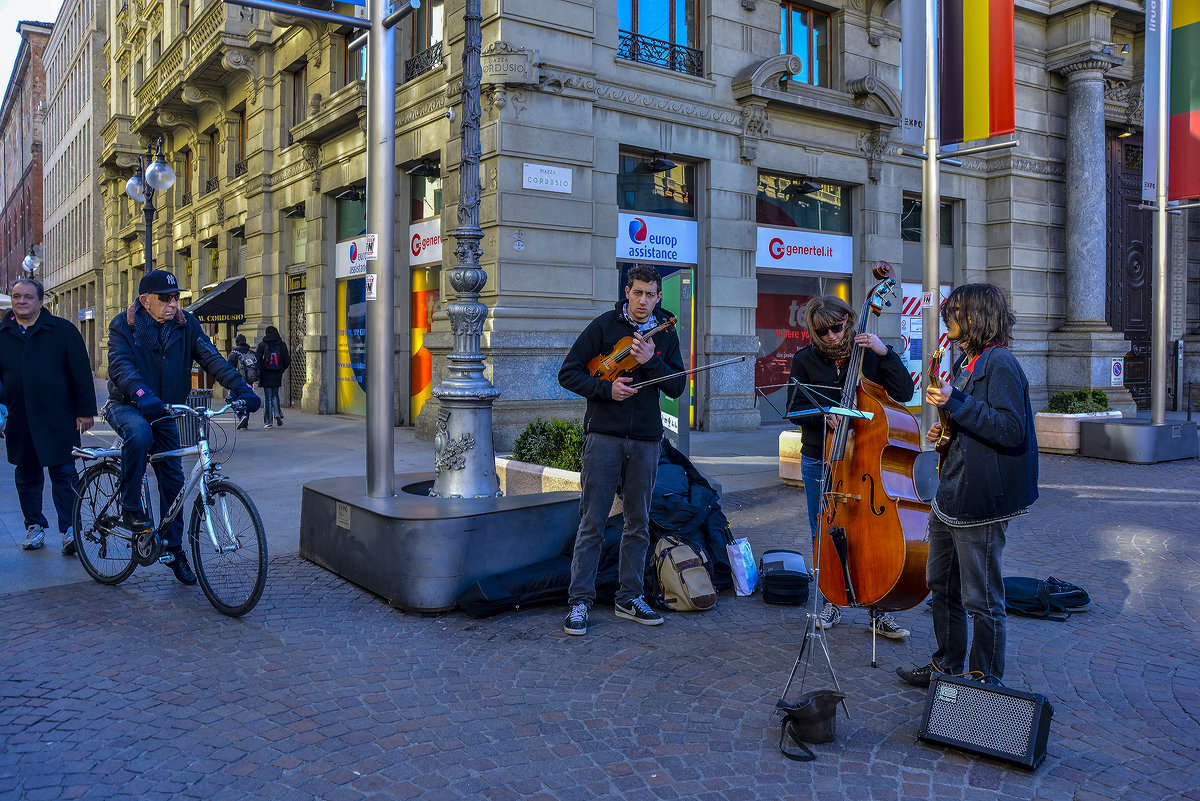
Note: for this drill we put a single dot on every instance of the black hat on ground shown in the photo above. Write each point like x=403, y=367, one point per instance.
x=157, y=281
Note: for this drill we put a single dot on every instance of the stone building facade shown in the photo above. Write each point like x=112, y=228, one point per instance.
x=73, y=228
x=22, y=116
x=747, y=149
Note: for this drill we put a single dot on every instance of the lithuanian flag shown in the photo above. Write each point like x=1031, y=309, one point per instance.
x=1183, y=104
x=976, y=69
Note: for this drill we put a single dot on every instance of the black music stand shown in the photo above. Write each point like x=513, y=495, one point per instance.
x=818, y=399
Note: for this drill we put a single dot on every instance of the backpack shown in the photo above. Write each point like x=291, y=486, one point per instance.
x=1047, y=600
x=248, y=367
x=272, y=358
x=684, y=583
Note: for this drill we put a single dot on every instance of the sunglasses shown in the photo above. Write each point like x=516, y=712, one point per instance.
x=836, y=329
x=167, y=297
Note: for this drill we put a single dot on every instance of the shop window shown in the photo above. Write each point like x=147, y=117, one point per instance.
x=910, y=221
x=642, y=185
x=796, y=202
x=351, y=219
x=298, y=236
x=804, y=32
x=354, y=63
x=660, y=32
x=425, y=196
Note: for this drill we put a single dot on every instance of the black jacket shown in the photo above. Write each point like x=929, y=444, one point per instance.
x=46, y=382
x=166, y=371
x=267, y=376
x=637, y=417
x=810, y=366
x=990, y=471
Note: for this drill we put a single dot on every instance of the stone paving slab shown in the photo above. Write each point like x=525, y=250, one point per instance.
x=323, y=691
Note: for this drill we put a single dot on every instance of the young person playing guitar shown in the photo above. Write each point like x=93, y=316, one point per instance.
x=988, y=475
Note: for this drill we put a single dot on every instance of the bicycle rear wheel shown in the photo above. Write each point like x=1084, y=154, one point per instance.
x=233, y=570
x=105, y=550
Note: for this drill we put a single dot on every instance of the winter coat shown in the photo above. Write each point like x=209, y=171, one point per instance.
x=637, y=417
x=811, y=366
x=990, y=470
x=166, y=371
x=269, y=377
x=46, y=382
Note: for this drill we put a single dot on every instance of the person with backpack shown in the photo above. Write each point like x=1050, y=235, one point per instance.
x=245, y=361
x=988, y=476
x=273, y=359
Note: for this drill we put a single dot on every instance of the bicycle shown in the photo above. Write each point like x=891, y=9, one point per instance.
x=228, y=541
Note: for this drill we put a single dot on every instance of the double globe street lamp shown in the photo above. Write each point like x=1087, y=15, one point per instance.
x=154, y=175
x=31, y=263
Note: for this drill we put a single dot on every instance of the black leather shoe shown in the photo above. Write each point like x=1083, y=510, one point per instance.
x=179, y=566
x=917, y=676
x=136, y=521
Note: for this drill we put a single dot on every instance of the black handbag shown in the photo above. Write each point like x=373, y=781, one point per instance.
x=784, y=578
x=809, y=720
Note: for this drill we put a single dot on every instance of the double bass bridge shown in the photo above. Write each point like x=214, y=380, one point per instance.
x=841, y=497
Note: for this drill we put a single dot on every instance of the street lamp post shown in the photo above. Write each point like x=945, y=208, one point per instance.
x=31, y=263
x=153, y=175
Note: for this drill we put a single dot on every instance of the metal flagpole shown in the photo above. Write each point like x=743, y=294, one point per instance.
x=931, y=203
x=1158, y=340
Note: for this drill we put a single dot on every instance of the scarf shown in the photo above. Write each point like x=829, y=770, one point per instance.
x=148, y=332
x=841, y=350
x=641, y=328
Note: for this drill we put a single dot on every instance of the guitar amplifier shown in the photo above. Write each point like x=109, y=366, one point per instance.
x=994, y=721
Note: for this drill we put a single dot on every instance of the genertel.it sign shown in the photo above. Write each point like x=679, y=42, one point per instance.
x=425, y=242
x=807, y=251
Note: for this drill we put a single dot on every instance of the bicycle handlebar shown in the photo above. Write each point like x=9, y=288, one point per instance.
x=178, y=408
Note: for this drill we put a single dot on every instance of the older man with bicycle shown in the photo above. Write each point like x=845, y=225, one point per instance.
x=151, y=348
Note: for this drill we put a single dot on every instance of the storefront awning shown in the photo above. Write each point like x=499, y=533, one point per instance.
x=224, y=303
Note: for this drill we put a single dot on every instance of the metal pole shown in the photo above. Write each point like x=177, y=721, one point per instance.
x=148, y=209
x=1158, y=339
x=464, y=455
x=931, y=207
x=381, y=200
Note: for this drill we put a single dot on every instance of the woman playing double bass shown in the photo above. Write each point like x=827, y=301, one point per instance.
x=830, y=322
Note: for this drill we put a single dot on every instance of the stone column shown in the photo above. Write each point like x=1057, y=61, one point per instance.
x=1081, y=351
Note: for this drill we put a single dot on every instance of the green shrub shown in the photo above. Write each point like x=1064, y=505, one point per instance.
x=552, y=443
x=1080, y=401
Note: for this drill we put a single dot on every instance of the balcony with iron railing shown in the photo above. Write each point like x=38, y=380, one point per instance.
x=423, y=62
x=212, y=185
x=646, y=50
x=240, y=168
x=185, y=199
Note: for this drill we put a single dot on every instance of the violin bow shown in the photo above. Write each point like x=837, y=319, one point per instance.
x=700, y=369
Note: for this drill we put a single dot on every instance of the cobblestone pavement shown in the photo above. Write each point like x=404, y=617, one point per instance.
x=323, y=691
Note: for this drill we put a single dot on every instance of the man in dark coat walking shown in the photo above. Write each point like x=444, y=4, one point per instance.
x=273, y=359
x=46, y=385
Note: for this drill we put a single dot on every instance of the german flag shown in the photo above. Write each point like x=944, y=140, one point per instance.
x=976, y=69
x=1183, y=104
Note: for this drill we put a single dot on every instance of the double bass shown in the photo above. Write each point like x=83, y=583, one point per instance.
x=873, y=547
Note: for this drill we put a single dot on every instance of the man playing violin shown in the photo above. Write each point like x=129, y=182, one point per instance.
x=830, y=322
x=988, y=476
x=624, y=429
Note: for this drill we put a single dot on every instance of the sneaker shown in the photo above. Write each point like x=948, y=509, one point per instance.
x=178, y=563
x=135, y=521
x=576, y=622
x=268, y=425
x=639, y=611
x=243, y=424
x=830, y=616
x=919, y=676
x=68, y=542
x=885, y=626
x=34, y=537
x=279, y=420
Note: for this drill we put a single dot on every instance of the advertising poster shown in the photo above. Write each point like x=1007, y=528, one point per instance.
x=911, y=328
x=780, y=329
x=425, y=294
x=350, y=269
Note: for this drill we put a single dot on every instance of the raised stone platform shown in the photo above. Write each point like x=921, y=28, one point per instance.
x=422, y=553
x=1138, y=441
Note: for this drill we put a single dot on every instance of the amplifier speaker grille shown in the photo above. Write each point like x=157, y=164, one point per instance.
x=995, y=721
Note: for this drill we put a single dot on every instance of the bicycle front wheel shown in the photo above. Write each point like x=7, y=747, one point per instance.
x=229, y=546
x=105, y=550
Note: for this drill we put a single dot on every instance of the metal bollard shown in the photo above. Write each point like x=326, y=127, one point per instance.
x=1189, y=402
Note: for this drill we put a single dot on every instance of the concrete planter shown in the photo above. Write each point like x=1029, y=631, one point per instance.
x=1059, y=433
x=523, y=478
x=789, y=458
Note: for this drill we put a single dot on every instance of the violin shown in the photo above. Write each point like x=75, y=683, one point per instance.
x=872, y=537
x=620, y=360
x=935, y=380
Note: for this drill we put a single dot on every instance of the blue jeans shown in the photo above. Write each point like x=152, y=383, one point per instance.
x=30, y=482
x=964, y=575
x=139, y=439
x=812, y=471
x=608, y=462
x=271, y=404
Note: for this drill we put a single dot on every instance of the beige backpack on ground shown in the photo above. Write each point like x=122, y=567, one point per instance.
x=684, y=582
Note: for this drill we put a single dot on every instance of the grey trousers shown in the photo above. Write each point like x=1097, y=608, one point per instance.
x=609, y=462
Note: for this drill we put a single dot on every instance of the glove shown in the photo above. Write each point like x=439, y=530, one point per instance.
x=3, y=418
x=244, y=393
x=149, y=404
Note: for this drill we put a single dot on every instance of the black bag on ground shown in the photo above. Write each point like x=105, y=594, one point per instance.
x=784, y=577
x=1046, y=600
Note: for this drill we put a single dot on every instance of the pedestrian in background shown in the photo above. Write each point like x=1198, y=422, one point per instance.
x=245, y=361
x=47, y=393
x=273, y=359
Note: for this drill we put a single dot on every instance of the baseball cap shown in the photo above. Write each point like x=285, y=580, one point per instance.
x=157, y=281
